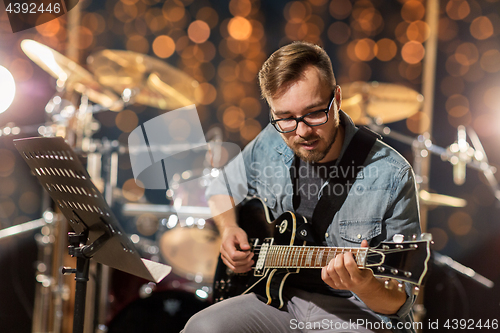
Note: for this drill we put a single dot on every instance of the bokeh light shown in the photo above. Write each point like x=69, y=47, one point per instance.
x=174, y=11
x=198, y=31
x=205, y=93
x=126, y=121
x=440, y=238
x=7, y=89
x=491, y=98
x=233, y=118
x=163, y=46
x=209, y=16
x=137, y=43
x=240, y=7
x=412, y=11
x=454, y=67
x=29, y=202
x=481, y=28
x=50, y=28
x=418, y=123
x=490, y=61
x=467, y=54
x=418, y=31
x=340, y=9
x=413, y=52
x=460, y=223
x=7, y=208
x=339, y=32
x=9, y=186
x=249, y=129
x=448, y=29
x=132, y=191
x=457, y=9
x=385, y=49
x=365, y=49
x=239, y=28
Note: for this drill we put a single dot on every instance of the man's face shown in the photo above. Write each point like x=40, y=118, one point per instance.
x=311, y=144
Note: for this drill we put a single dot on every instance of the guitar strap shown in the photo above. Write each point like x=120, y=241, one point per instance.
x=337, y=188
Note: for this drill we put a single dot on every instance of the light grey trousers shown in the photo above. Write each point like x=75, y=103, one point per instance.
x=306, y=312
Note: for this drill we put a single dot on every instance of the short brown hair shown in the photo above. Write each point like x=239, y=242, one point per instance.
x=286, y=66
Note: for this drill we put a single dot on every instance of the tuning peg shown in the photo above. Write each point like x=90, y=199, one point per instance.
x=398, y=238
x=414, y=237
x=400, y=287
x=415, y=290
x=426, y=236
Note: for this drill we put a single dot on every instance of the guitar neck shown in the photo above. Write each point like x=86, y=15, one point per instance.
x=282, y=256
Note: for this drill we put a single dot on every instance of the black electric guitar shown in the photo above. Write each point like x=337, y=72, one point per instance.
x=280, y=249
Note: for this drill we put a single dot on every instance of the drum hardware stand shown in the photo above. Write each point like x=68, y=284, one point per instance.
x=102, y=166
x=22, y=228
x=442, y=260
x=475, y=158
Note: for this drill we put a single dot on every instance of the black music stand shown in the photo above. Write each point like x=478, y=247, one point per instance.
x=98, y=234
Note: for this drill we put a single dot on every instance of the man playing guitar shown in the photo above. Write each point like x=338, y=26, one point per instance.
x=292, y=166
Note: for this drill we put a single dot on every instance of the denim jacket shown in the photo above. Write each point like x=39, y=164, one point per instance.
x=381, y=202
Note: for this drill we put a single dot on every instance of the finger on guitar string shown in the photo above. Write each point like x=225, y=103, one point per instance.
x=331, y=277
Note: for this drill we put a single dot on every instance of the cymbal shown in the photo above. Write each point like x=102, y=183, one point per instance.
x=152, y=82
x=366, y=102
x=434, y=199
x=71, y=75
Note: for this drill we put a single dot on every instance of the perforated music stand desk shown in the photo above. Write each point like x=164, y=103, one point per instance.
x=98, y=234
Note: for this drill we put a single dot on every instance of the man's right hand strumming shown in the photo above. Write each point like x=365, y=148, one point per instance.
x=235, y=250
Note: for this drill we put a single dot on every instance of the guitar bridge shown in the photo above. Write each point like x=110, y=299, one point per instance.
x=260, y=265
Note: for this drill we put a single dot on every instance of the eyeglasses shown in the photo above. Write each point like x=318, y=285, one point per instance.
x=311, y=119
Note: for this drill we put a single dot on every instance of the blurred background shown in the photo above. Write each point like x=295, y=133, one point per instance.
x=218, y=47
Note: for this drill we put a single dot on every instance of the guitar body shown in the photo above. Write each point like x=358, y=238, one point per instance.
x=258, y=223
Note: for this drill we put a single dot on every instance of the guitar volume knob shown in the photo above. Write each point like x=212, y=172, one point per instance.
x=398, y=238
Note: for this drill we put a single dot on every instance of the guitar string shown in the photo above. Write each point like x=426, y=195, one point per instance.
x=303, y=256
x=257, y=248
x=331, y=249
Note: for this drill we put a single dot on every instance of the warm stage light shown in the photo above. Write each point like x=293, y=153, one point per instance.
x=7, y=89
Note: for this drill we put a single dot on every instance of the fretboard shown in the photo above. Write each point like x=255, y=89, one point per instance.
x=279, y=256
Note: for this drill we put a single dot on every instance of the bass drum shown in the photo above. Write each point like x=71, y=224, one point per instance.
x=139, y=306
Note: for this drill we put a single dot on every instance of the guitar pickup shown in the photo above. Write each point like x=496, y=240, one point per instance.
x=262, y=253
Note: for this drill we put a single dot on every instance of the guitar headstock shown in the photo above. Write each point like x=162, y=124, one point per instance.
x=406, y=261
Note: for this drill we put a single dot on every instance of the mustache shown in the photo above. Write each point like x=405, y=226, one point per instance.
x=307, y=139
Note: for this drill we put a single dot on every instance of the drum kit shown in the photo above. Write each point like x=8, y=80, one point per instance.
x=184, y=235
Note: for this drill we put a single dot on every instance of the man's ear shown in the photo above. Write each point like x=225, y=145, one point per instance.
x=338, y=96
